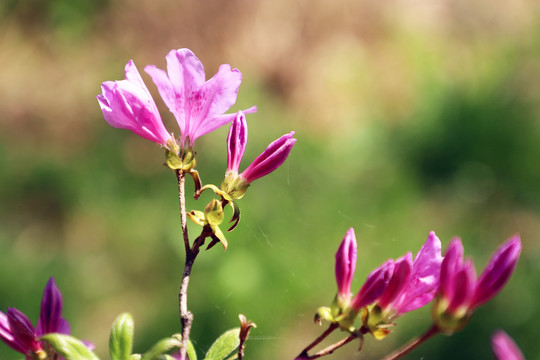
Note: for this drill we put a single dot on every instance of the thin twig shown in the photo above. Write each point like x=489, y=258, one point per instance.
x=303, y=354
x=186, y=317
x=330, y=349
x=432, y=331
x=181, y=177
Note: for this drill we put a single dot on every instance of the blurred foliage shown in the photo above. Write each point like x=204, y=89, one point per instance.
x=68, y=16
x=409, y=116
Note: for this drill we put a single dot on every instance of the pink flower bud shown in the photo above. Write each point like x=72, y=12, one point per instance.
x=346, y=264
x=236, y=142
x=376, y=283
x=127, y=104
x=504, y=347
x=498, y=271
x=271, y=158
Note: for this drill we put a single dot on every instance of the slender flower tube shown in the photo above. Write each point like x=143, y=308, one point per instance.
x=345, y=266
x=504, y=347
x=197, y=105
x=17, y=331
x=127, y=104
x=271, y=158
x=376, y=283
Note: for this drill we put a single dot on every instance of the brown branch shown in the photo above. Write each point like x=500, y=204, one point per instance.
x=304, y=353
x=432, y=331
x=186, y=317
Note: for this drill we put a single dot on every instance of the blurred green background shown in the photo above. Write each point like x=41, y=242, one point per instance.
x=410, y=116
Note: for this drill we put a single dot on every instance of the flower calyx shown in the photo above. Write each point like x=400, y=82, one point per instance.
x=210, y=220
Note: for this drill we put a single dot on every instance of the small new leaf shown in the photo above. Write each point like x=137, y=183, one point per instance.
x=121, y=339
x=69, y=347
x=224, y=345
x=161, y=347
x=191, y=351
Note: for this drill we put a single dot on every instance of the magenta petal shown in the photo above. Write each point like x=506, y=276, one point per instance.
x=498, y=271
x=127, y=104
x=50, y=320
x=451, y=264
x=236, y=142
x=504, y=347
x=400, y=280
x=22, y=330
x=346, y=264
x=218, y=121
x=424, y=278
x=7, y=337
x=214, y=97
x=374, y=286
x=461, y=288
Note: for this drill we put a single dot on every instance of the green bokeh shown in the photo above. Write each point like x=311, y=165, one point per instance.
x=460, y=157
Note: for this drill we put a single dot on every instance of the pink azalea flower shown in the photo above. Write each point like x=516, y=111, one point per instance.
x=198, y=105
x=127, y=104
x=504, y=347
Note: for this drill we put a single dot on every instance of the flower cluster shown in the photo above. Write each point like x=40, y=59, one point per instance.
x=394, y=288
x=198, y=107
x=403, y=285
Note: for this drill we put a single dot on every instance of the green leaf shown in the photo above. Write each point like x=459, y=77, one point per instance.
x=121, y=339
x=162, y=347
x=224, y=345
x=191, y=351
x=69, y=347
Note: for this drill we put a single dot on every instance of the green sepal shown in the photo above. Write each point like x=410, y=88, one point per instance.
x=236, y=215
x=215, y=189
x=213, y=212
x=220, y=236
x=161, y=347
x=234, y=186
x=197, y=217
x=323, y=313
x=183, y=159
x=69, y=347
x=224, y=345
x=121, y=339
x=172, y=160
